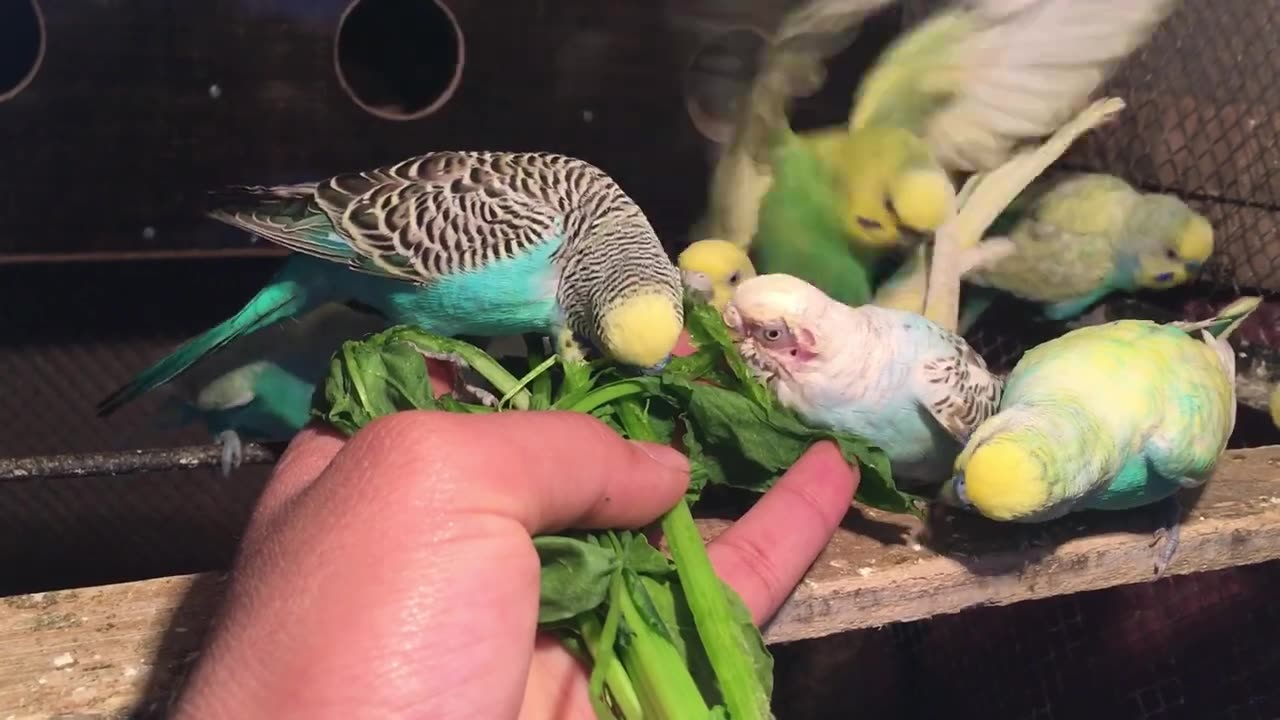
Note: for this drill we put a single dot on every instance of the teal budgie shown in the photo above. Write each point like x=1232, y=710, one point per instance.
x=459, y=243
x=1106, y=417
x=260, y=386
x=891, y=377
x=1082, y=236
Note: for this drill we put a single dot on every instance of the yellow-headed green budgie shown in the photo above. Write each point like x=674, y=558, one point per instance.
x=957, y=93
x=711, y=269
x=1082, y=236
x=1106, y=417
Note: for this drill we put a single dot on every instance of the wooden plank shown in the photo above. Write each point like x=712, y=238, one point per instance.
x=105, y=649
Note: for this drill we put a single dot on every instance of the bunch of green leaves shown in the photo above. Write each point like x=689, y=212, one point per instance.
x=664, y=637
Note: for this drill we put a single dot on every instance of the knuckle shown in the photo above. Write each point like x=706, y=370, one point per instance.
x=756, y=560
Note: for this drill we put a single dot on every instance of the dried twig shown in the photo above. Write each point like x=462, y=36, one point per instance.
x=129, y=462
x=986, y=198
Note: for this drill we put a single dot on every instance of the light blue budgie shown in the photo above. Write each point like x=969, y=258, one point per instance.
x=890, y=377
x=459, y=243
x=1106, y=417
x=260, y=386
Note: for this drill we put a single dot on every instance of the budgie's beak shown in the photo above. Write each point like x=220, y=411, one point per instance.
x=952, y=492
x=642, y=330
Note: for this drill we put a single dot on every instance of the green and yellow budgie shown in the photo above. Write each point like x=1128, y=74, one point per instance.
x=959, y=93
x=1082, y=236
x=1106, y=417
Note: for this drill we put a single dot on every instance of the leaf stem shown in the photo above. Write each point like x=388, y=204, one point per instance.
x=615, y=676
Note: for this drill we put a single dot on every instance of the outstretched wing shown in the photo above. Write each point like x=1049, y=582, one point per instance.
x=793, y=65
x=977, y=80
x=957, y=388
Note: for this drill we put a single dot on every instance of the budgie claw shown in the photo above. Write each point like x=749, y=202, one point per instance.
x=568, y=348
x=461, y=388
x=1165, y=539
x=232, y=451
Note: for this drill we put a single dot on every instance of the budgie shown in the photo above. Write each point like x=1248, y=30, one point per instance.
x=459, y=243
x=958, y=93
x=891, y=377
x=261, y=385
x=1082, y=236
x=712, y=269
x=1106, y=417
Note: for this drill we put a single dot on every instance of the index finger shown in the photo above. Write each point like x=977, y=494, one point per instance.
x=547, y=470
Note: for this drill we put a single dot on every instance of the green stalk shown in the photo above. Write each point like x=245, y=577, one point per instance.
x=615, y=676
x=490, y=369
x=712, y=615
x=661, y=676
x=529, y=377
x=602, y=395
x=713, y=618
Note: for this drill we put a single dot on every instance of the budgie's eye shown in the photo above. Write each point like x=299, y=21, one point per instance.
x=773, y=334
x=734, y=278
x=1171, y=254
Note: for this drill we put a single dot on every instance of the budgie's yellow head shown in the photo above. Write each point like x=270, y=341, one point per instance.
x=890, y=182
x=712, y=269
x=1002, y=479
x=774, y=320
x=641, y=330
x=1173, y=241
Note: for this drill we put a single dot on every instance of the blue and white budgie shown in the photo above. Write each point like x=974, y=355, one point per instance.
x=459, y=243
x=260, y=386
x=890, y=377
x=1106, y=417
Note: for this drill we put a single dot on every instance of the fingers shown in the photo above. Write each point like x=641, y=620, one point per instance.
x=546, y=470
x=764, y=555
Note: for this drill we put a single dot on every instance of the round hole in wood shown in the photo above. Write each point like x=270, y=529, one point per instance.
x=718, y=77
x=399, y=59
x=22, y=49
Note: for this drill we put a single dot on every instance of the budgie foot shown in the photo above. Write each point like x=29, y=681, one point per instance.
x=1165, y=538
x=568, y=347
x=985, y=255
x=232, y=451
x=463, y=390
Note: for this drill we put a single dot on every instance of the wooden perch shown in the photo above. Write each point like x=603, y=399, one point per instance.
x=106, y=649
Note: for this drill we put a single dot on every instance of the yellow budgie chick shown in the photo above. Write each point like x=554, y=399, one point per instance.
x=712, y=269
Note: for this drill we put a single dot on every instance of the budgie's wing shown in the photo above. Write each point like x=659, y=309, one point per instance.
x=286, y=214
x=957, y=388
x=977, y=80
x=792, y=66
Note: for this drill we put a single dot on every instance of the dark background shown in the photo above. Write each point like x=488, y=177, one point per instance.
x=116, y=116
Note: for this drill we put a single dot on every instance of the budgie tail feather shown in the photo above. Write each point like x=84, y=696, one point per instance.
x=281, y=298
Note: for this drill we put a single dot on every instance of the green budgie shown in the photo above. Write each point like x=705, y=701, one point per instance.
x=891, y=377
x=958, y=93
x=459, y=243
x=1082, y=236
x=261, y=385
x=1106, y=417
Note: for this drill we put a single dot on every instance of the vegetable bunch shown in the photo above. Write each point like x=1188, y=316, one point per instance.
x=664, y=637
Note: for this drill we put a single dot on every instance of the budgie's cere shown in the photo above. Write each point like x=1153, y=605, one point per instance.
x=460, y=243
x=1078, y=238
x=712, y=270
x=890, y=377
x=1106, y=417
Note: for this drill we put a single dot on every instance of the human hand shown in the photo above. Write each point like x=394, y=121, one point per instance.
x=392, y=575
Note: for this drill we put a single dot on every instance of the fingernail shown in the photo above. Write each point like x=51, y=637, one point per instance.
x=665, y=456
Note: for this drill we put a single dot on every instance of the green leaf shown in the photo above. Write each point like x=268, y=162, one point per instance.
x=371, y=378
x=740, y=443
x=575, y=576
x=708, y=332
